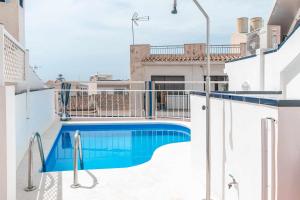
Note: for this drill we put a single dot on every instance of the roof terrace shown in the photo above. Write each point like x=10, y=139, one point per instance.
x=193, y=52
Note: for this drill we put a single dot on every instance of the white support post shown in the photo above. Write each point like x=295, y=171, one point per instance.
x=261, y=55
x=7, y=143
x=2, y=78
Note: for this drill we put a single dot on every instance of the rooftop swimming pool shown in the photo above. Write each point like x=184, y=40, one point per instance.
x=113, y=145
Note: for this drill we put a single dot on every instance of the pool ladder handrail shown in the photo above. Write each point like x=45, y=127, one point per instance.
x=77, y=146
x=30, y=186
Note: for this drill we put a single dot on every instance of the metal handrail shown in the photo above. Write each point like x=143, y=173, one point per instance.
x=180, y=49
x=30, y=186
x=77, y=146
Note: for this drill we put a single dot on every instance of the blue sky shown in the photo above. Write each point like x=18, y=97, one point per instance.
x=81, y=37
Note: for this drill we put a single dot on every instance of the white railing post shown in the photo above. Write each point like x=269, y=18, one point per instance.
x=154, y=99
x=2, y=78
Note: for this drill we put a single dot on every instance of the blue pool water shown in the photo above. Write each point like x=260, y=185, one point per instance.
x=113, y=145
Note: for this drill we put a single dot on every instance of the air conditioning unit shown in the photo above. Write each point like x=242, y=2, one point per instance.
x=253, y=42
x=274, y=36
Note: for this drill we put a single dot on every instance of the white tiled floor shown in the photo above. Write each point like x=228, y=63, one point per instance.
x=166, y=177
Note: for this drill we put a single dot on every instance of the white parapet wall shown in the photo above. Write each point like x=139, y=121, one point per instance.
x=34, y=113
x=288, y=153
x=239, y=149
x=20, y=116
x=274, y=70
x=7, y=144
x=244, y=74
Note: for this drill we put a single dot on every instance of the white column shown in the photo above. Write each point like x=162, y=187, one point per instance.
x=7, y=143
x=260, y=53
x=2, y=55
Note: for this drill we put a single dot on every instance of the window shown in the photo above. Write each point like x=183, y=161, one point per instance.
x=2, y=0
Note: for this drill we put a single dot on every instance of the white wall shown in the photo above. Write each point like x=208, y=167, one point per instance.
x=236, y=147
x=281, y=69
x=191, y=72
x=33, y=82
x=246, y=70
x=288, y=153
x=276, y=62
x=38, y=118
x=7, y=144
x=290, y=79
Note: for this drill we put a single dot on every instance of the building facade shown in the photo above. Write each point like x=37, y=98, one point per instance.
x=12, y=17
x=181, y=63
x=14, y=57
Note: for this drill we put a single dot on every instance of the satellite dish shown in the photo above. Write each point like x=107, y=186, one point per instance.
x=135, y=15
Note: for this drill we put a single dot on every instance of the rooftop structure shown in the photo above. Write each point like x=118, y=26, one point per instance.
x=101, y=77
x=181, y=62
x=274, y=63
x=14, y=57
x=286, y=14
x=12, y=17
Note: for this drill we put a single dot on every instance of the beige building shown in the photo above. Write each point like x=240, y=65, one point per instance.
x=183, y=63
x=101, y=77
x=14, y=57
x=12, y=17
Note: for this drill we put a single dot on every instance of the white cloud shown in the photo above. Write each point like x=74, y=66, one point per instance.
x=80, y=37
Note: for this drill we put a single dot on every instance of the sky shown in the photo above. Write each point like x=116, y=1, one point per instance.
x=79, y=38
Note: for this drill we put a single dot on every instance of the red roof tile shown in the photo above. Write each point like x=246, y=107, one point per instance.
x=183, y=58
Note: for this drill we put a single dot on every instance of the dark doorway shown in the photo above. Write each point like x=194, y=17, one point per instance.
x=166, y=86
x=218, y=86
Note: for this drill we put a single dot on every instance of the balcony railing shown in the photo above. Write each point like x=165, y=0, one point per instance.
x=181, y=49
x=167, y=50
x=225, y=49
x=131, y=103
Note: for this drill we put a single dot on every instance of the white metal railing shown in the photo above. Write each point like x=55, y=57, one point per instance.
x=138, y=104
x=154, y=103
x=104, y=104
x=167, y=50
x=180, y=50
x=174, y=104
x=225, y=49
x=12, y=58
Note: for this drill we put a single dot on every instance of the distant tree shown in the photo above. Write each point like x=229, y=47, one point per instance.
x=60, y=78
